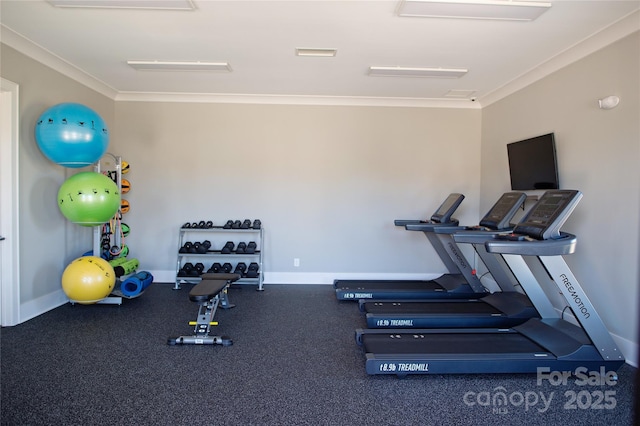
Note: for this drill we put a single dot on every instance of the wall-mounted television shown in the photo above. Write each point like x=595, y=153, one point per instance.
x=532, y=163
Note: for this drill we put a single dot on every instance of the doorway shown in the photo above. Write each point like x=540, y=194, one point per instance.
x=9, y=245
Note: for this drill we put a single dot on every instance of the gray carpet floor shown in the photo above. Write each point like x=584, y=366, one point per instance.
x=294, y=361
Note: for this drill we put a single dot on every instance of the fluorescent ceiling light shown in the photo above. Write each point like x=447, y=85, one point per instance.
x=179, y=66
x=417, y=72
x=474, y=9
x=318, y=52
x=126, y=4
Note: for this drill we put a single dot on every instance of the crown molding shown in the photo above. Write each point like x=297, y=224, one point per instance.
x=271, y=99
x=609, y=35
x=42, y=55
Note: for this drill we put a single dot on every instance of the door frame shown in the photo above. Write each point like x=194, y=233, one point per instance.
x=9, y=204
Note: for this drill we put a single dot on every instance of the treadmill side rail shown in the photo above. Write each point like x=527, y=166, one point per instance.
x=582, y=307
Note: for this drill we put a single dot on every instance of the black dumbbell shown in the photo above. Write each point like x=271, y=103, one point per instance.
x=241, y=248
x=199, y=267
x=228, y=225
x=236, y=224
x=226, y=268
x=207, y=244
x=200, y=248
x=215, y=268
x=251, y=247
x=241, y=268
x=252, y=272
x=186, y=225
x=191, y=270
x=228, y=247
x=246, y=224
x=209, y=224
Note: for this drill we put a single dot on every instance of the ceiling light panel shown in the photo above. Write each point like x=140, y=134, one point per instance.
x=460, y=93
x=126, y=4
x=316, y=52
x=474, y=9
x=179, y=66
x=417, y=72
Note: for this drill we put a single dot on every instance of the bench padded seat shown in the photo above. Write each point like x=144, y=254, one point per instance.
x=210, y=286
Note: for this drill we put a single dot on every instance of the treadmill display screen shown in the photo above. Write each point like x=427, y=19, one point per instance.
x=545, y=213
x=503, y=211
x=446, y=210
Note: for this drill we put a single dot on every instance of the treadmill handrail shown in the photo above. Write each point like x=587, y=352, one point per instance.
x=403, y=222
x=476, y=236
x=566, y=244
x=429, y=227
x=455, y=230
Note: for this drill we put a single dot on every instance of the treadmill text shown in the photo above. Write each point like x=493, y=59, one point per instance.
x=404, y=367
x=395, y=323
x=576, y=299
x=358, y=296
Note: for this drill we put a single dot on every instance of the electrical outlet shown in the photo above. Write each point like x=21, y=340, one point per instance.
x=296, y=262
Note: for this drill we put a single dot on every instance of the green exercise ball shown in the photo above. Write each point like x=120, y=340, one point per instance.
x=89, y=199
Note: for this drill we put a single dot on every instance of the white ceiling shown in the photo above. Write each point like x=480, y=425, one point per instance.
x=259, y=39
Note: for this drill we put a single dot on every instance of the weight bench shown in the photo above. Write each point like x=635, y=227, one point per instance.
x=209, y=293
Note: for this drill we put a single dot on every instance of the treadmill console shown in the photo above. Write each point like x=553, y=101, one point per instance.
x=447, y=208
x=545, y=218
x=503, y=211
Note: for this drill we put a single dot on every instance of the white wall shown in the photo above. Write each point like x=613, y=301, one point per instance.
x=598, y=154
x=48, y=242
x=327, y=182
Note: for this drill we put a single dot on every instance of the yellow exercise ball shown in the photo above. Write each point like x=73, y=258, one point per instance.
x=88, y=280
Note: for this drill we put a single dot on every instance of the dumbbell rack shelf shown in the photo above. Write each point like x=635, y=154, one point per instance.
x=218, y=236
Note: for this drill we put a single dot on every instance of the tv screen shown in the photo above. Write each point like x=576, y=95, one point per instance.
x=532, y=163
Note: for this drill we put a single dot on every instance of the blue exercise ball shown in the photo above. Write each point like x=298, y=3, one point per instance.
x=72, y=135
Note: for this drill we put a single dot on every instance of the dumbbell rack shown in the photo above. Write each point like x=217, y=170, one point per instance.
x=218, y=237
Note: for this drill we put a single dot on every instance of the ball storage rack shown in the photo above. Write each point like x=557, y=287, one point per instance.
x=115, y=164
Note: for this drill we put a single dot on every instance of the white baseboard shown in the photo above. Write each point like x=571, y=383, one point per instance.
x=163, y=276
x=329, y=277
x=628, y=348
x=42, y=304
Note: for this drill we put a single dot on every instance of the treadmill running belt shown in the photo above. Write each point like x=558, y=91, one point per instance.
x=405, y=309
x=457, y=343
x=387, y=285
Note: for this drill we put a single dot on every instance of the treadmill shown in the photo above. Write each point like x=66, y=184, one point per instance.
x=459, y=282
x=550, y=342
x=505, y=308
